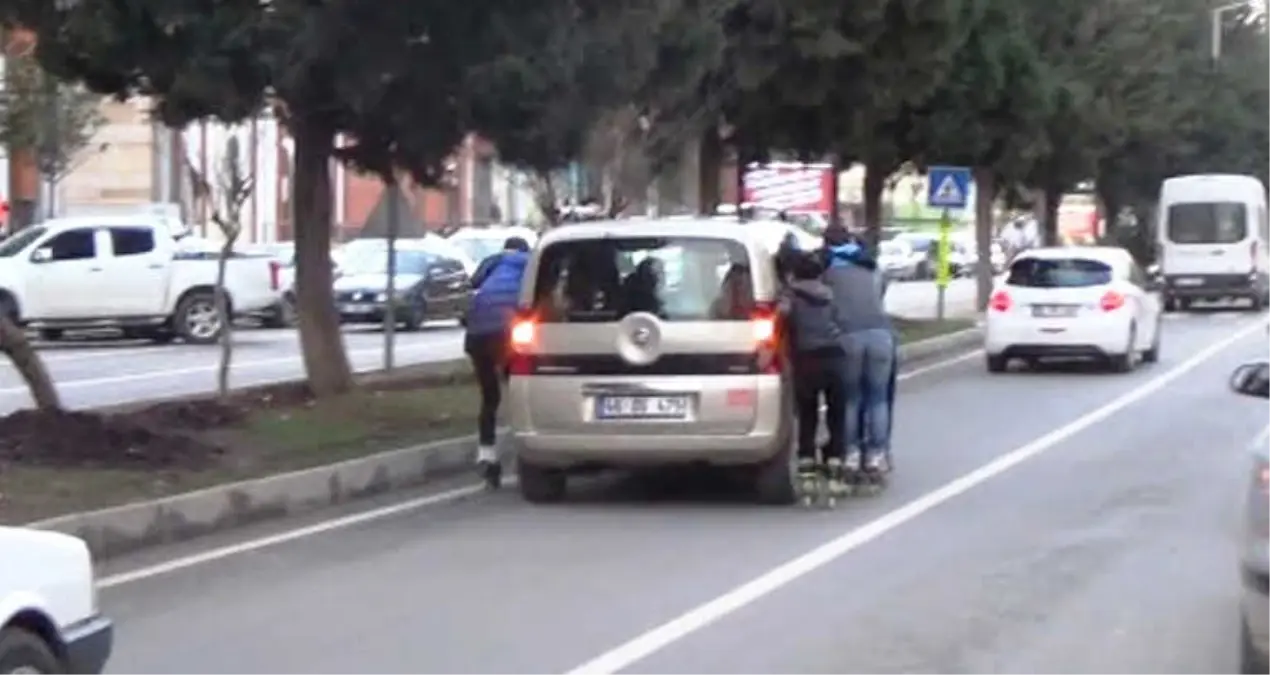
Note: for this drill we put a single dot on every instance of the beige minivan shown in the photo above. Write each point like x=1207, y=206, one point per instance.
x=649, y=342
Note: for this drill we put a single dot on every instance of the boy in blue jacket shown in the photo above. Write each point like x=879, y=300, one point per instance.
x=497, y=282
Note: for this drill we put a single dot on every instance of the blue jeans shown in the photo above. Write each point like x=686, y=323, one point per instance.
x=870, y=362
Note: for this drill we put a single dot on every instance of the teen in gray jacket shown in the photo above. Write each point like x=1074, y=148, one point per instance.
x=869, y=346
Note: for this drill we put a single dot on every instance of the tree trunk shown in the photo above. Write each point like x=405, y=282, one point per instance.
x=227, y=323
x=1049, y=224
x=709, y=169
x=874, y=184
x=545, y=194
x=325, y=361
x=30, y=366
x=985, y=198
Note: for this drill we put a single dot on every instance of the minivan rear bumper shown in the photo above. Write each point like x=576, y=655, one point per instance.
x=559, y=450
x=767, y=430
x=1211, y=285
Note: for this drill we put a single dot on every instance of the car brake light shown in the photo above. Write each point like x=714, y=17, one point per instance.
x=1111, y=301
x=764, y=330
x=523, y=335
x=275, y=274
x=1263, y=478
x=524, y=331
x=766, y=342
x=1000, y=302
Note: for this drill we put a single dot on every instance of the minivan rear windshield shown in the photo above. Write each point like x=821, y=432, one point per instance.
x=675, y=278
x=1207, y=223
x=1058, y=273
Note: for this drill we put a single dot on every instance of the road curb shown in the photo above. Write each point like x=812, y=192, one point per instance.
x=124, y=529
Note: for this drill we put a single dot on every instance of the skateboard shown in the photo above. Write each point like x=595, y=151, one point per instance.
x=822, y=483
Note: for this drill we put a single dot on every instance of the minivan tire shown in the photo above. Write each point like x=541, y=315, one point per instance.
x=540, y=484
x=24, y=651
x=774, y=479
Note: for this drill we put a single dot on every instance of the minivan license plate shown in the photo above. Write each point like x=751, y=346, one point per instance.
x=641, y=407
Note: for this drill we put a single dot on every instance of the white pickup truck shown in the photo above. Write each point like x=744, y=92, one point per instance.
x=49, y=622
x=126, y=272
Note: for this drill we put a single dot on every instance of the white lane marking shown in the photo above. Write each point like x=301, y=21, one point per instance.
x=55, y=356
x=289, y=535
x=176, y=564
x=642, y=646
x=237, y=368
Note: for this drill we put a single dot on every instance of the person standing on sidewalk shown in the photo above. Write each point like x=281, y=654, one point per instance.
x=497, y=281
x=869, y=346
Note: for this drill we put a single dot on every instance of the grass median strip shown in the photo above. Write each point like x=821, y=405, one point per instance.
x=102, y=460
x=56, y=464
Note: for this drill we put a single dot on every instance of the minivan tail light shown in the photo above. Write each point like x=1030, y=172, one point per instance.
x=764, y=328
x=1000, y=302
x=523, y=334
x=1111, y=301
x=275, y=275
x=521, y=340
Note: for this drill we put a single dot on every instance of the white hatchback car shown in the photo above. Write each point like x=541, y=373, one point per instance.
x=1074, y=302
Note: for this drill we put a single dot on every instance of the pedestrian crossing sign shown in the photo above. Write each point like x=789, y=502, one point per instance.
x=947, y=187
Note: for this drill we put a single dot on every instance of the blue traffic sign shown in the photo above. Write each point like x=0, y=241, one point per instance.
x=948, y=187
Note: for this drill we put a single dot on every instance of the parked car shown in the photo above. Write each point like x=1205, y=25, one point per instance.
x=128, y=273
x=1253, y=379
x=479, y=243
x=427, y=286
x=281, y=314
x=922, y=247
x=1074, y=302
x=432, y=242
x=895, y=259
x=49, y=619
x=612, y=356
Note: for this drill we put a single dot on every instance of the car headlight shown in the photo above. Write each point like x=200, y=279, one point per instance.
x=381, y=297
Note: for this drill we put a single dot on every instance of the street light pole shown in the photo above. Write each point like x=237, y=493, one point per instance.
x=1215, y=25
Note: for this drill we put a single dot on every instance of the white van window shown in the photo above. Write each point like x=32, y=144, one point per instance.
x=675, y=278
x=1207, y=223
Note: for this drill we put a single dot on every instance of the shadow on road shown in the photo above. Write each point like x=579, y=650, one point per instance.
x=700, y=486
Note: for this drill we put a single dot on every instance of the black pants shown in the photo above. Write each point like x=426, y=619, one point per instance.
x=489, y=355
x=817, y=376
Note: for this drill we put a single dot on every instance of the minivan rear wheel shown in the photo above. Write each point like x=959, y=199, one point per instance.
x=540, y=484
x=774, y=479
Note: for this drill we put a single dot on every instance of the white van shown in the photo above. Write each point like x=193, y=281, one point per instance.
x=1213, y=236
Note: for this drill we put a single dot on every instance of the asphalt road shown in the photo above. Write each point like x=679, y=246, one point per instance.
x=106, y=372
x=1062, y=521
x=97, y=373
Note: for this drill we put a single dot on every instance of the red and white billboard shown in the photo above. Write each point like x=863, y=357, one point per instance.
x=793, y=187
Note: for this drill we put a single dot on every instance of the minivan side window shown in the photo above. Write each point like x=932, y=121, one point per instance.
x=674, y=278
